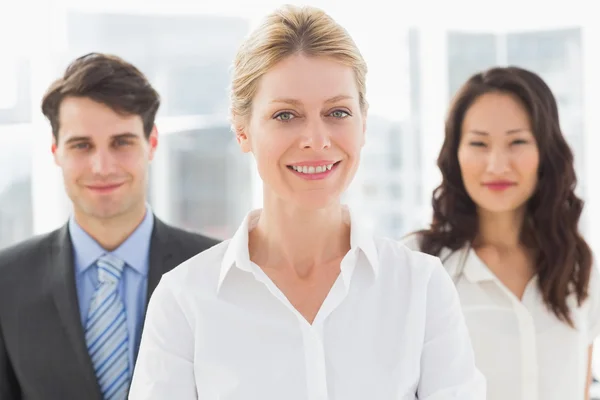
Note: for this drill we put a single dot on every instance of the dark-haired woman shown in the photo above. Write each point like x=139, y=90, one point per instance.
x=505, y=225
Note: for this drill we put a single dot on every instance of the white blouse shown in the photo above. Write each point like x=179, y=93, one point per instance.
x=391, y=327
x=522, y=348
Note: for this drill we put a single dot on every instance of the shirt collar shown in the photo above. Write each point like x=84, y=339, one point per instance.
x=475, y=269
x=133, y=251
x=237, y=254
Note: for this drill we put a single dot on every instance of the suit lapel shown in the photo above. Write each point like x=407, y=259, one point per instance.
x=65, y=296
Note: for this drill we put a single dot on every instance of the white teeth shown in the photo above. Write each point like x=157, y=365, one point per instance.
x=312, y=170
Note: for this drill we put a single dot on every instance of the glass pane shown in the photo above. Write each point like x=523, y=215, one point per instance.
x=208, y=180
x=16, y=211
x=15, y=90
x=469, y=53
x=186, y=57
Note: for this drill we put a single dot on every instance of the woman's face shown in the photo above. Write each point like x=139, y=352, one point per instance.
x=306, y=130
x=498, y=153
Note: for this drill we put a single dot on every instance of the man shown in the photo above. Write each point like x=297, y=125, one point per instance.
x=72, y=302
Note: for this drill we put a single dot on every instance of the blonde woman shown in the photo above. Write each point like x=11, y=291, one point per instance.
x=303, y=303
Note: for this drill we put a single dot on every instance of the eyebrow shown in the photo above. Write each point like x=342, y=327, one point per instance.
x=125, y=135
x=296, y=102
x=508, y=132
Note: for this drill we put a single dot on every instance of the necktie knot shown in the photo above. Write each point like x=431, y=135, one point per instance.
x=110, y=269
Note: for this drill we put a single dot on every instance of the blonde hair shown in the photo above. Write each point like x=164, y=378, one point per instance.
x=287, y=31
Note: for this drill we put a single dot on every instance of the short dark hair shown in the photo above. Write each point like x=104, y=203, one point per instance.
x=563, y=257
x=109, y=80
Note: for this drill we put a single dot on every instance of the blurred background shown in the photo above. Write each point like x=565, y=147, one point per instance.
x=419, y=53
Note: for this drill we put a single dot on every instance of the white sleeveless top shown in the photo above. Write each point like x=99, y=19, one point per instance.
x=522, y=348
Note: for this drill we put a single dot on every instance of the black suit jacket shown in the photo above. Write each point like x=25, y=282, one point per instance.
x=43, y=354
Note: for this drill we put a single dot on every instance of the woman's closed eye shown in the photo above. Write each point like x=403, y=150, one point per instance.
x=483, y=144
x=477, y=144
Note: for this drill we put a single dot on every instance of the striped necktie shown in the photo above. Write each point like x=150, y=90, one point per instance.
x=106, y=331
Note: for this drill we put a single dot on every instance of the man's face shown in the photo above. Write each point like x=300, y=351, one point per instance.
x=104, y=157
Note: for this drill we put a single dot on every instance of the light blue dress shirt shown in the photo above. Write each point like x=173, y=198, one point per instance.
x=134, y=281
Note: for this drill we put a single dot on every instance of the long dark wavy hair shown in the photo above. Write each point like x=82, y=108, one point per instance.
x=563, y=259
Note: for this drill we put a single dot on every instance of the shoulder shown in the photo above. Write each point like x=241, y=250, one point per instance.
x=193, y=239
x=200, y=272
x=448, y=257
x=30, y=248
x=404, y=257
x=189, y=242
x=451, y=260
x=412, y=241
x=592, y=304
x=24, y=264
x=421, y=277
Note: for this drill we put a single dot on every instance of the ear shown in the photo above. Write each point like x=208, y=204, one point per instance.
x=54, y=149
x=153, y=140
x=241, y=135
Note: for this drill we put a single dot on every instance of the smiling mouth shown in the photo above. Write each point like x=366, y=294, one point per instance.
x=499, y=186
x=313, y=169
x=104, y=188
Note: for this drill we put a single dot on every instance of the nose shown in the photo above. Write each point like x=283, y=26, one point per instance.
x=498, y=161
x=102, y=162
x=316, y=136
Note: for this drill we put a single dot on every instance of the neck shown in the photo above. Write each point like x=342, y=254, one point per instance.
x=110, y=233
x=299, y=239
x=500, y=230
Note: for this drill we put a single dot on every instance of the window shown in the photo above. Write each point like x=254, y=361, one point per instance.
x=395, y=191
x=15, y=90
x=206, y=180
x=16, y=210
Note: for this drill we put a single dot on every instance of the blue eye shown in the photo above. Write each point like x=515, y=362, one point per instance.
x=285, y=116
x=340, y=114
